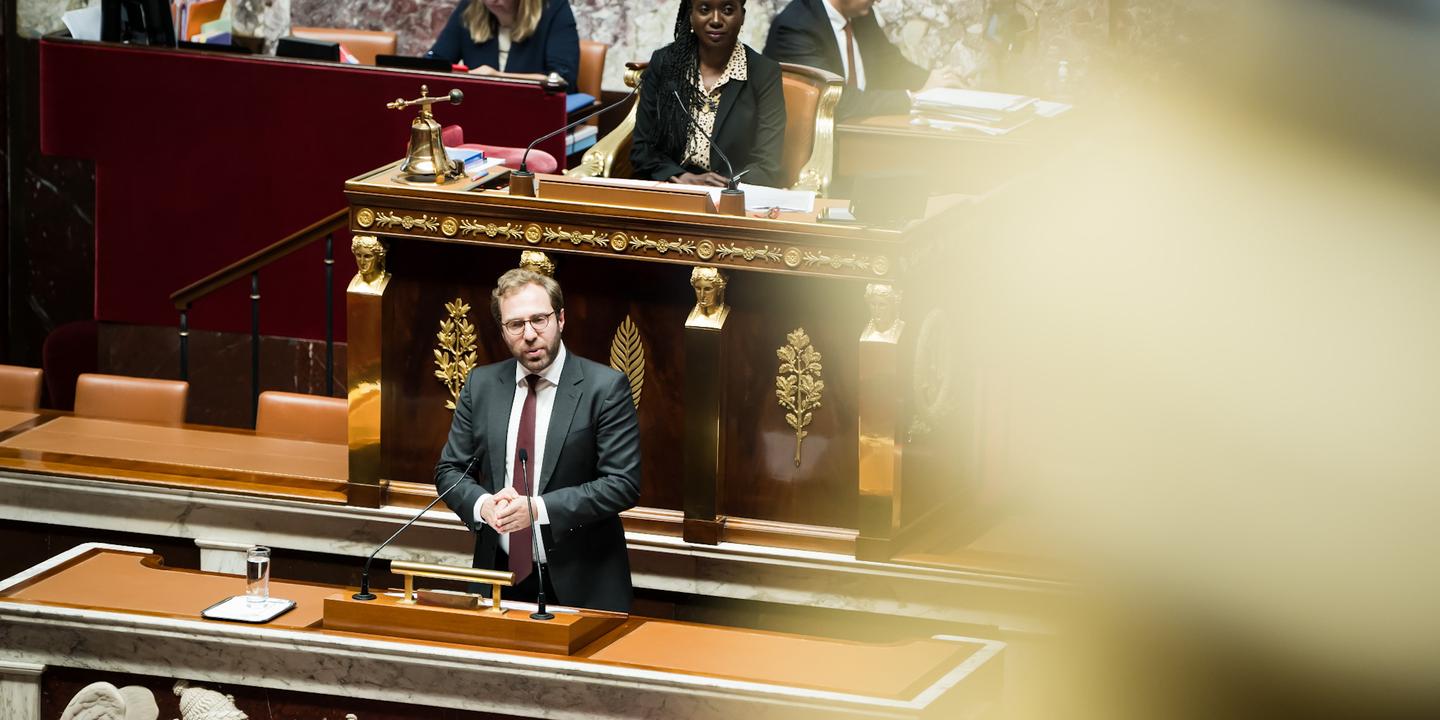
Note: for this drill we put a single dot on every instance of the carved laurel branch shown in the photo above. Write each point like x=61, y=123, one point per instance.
x=389, y=220
x=798, y=386
x=627, y=354
x=455, y=349
x=850, y=262
x=750, y=254
x=508, y=230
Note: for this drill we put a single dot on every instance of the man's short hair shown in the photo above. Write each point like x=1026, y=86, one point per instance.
x=514, y=280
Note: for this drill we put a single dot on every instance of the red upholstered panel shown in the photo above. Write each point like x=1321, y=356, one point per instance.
x=202, y=159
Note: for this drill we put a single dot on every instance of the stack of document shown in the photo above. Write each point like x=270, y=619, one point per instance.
x=992, y=113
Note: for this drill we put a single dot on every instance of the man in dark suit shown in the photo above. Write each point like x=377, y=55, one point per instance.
x=561, y=422
x=842, y=36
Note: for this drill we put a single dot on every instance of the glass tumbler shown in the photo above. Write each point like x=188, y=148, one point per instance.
x=257, y=575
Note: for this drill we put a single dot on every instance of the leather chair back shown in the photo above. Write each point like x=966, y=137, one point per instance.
x=811, y=95
x=303, y=417
x=132, y=399
x=363, y=44
x=592, y=70
x=20, y=387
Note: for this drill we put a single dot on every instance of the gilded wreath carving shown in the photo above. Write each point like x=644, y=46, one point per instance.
x=455, y=351
x=798, y=386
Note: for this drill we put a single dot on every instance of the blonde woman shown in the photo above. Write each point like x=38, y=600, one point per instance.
x=526, y=37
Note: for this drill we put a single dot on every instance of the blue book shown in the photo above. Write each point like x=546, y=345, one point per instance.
x=576, y=101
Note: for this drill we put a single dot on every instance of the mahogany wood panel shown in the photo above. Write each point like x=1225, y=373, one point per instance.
x=762, y=481
x=513, y=629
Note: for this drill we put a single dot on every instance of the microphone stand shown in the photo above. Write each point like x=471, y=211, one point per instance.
x=732, y=198
x=539, y=613
x=365, y=593
x=522, y=181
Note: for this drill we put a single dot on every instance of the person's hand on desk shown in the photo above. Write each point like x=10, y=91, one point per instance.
x=483, y=70
x=712, y=179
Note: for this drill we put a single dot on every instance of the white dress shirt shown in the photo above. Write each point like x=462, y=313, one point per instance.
x=544, y=402
x=837, y=24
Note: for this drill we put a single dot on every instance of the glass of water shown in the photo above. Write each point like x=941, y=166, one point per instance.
x=257, y=575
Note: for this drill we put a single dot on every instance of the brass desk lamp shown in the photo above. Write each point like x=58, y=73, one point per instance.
x=426, y=161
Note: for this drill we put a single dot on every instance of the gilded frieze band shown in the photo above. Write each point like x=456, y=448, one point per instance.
x=739, y=254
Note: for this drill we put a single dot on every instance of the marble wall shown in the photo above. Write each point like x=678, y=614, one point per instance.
x=1085, y=33
x=929, y=32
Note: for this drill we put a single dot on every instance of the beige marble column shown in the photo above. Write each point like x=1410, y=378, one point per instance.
x=20, y=690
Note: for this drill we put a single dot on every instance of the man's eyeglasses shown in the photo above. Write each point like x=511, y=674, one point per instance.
x=539, y=322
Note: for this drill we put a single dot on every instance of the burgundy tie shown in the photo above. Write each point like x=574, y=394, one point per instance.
x=851, y=78
x=521, y=554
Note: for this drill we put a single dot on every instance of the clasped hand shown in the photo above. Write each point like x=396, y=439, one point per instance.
x=506, y=511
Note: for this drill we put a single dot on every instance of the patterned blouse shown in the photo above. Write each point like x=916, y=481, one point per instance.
x=697, y=151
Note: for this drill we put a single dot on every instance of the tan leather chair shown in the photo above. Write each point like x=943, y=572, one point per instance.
x=116, y=397
x=303, y=417
x=592, y=70
x=20, y=387
x=808, y=157
x=363, y=44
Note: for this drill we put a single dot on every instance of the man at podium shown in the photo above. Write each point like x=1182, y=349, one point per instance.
x=555, y=422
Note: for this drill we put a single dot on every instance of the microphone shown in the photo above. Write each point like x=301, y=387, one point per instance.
x=734, y=183
x=524, y=173
x=365, y=593
x=539, y=613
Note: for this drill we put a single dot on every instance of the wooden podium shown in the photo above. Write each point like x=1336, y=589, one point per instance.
x=511, y=629
x=801, y=457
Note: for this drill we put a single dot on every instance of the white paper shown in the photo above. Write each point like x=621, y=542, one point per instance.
x=977, y=99
x=761, y=197
x=1050, y=108
x=83, y=24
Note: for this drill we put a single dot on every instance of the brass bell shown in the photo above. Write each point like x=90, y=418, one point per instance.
x=425, y=159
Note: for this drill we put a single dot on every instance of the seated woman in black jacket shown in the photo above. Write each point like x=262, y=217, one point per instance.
x=527, y=37
x=708, y=78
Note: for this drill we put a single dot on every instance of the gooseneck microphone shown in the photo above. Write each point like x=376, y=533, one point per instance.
x=553, y=133
x=733, y=185
x=539, y=613
x=365, y=593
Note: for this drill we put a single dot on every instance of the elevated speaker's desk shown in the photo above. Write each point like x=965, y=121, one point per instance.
x=113, y=609
x=726, y=455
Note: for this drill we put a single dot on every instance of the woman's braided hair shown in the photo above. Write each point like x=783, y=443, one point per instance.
x=682, y=67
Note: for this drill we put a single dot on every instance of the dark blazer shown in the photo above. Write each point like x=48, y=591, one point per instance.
x=555, y=46
x=591, y=472
x=801, y=34
x=749, y=125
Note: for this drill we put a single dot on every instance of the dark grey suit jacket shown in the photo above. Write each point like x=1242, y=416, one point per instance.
x=591, y=472
x=801, y=34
